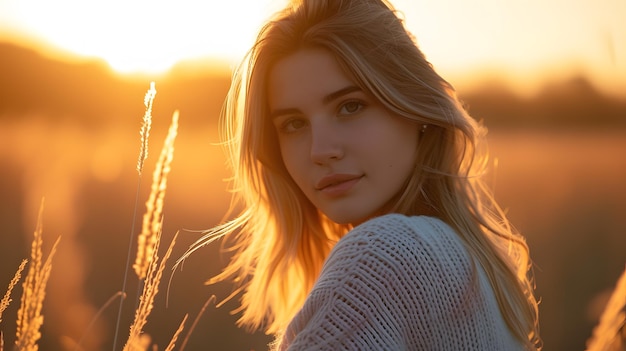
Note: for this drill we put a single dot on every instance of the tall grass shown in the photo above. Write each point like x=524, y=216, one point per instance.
x=29, y=316
x=153, y=218
x=610, y=333
x=148, y=267
x=138, y=340
x=6, y=300
x=144, y=132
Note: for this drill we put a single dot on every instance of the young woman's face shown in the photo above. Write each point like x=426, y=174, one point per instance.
x=345, y=151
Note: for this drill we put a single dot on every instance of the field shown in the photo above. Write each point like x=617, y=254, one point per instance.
x=562, y=179
x=565, y=191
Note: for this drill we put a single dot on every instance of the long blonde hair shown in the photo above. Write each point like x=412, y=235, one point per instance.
x=280, y=240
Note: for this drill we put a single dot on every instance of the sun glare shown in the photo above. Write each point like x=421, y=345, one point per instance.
x=527, y=42
x=143, y=36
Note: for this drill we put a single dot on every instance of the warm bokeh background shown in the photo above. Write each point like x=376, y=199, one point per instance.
x=69, y=132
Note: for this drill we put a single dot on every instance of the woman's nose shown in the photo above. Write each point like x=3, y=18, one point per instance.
x=326, y=143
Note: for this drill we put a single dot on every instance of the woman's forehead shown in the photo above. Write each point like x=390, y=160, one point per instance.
x=310, y=73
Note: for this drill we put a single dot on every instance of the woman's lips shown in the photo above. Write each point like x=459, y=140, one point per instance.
x=337, y=184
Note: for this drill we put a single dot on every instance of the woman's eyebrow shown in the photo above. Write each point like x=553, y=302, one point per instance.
x=339, y=93
x=326, y=100
x=283, y=111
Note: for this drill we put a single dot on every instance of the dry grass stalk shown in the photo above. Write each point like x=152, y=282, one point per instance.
x=6, y=300
x=172, y=343
x=77, y=345
x=143, y=155
x=210, y=300
x=152, y=219
x=145, y=127
x=29, y=317
x=137, y=340
x=610, y=333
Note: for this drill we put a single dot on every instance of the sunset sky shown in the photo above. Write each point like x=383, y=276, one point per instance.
x=525, y=41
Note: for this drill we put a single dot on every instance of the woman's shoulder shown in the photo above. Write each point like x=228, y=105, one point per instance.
x=404, y=232
x=421, y=244
x=395, y=222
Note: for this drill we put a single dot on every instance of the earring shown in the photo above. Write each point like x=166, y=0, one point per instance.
x=424, y=126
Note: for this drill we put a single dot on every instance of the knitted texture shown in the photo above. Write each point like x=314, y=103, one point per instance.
x=400, y=283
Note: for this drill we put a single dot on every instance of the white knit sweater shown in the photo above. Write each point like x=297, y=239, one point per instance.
x=400, y=283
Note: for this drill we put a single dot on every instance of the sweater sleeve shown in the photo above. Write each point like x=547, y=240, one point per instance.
x=390, y=284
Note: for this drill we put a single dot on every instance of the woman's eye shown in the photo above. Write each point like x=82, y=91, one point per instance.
x=351, y=107
x=292, y=125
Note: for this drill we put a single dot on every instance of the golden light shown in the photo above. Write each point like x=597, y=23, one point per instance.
x=140, y=35
x=522, y=43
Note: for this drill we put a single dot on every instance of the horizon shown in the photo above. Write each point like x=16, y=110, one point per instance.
x=523, y=45
x=476, y=80
x=93, y=93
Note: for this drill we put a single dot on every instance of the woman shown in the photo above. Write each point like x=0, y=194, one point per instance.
x=364, y=223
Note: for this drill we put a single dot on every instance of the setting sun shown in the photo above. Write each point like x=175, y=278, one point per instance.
x=524, y=43
x=140, y=36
